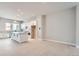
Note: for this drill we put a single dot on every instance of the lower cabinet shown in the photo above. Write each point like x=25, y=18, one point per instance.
x=19, y=36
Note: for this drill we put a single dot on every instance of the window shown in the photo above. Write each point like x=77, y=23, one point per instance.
x=7, y=26
x=16, y=27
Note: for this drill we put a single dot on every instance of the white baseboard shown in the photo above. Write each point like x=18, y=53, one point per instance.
x=61, y=42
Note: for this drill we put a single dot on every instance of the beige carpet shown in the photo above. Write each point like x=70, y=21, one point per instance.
x=36, y=48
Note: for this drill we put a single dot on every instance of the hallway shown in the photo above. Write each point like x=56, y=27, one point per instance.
x=36, y=48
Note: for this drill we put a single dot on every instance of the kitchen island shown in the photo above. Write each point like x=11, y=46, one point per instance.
x=19, y=36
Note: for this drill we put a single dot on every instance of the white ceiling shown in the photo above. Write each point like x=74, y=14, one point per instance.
x=25, y=10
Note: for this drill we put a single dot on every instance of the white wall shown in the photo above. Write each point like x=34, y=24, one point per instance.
x=77, y=26
x=60, y=26
x=39, y=27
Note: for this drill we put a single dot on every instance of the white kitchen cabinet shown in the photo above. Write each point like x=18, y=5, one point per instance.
x=19, y=36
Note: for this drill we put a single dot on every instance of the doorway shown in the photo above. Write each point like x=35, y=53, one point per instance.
x=33, y=31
